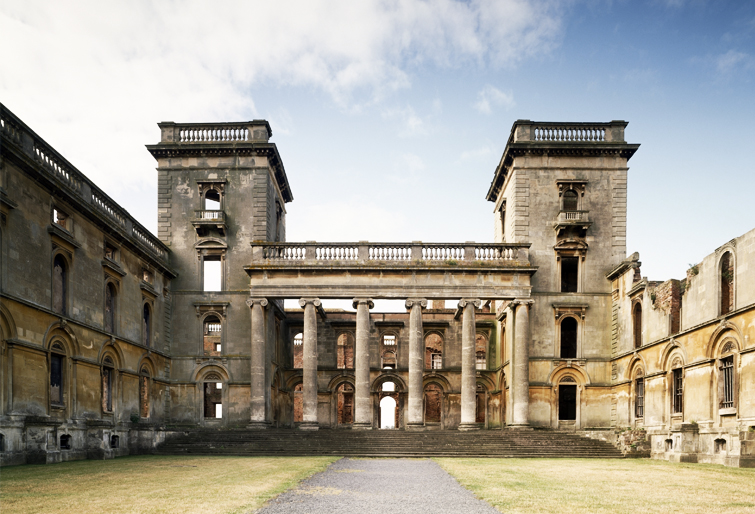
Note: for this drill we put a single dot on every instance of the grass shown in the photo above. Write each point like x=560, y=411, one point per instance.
x=570, y=486
x=153, y=484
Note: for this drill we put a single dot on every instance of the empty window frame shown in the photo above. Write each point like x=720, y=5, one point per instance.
x=568, y=345
x=115, y=441
x=345, y=351
x=480, y=404
x=212, y=200
x=433, y=351
x=569, y=274
x=66, y=442
x=298, y=351
x=213, y=397
x=677, y=391
x=110, y=302
x=107, y=384
x=637, y=324
x=212, y=335
x=59, y=285
x=639, y=397
x=61, y=218
x=110, y=251
x=567, y=402
x=146, y=325
x=212, y=273
x=433, y=403
x=570, y=200
x=727, y=381
x=57, y=370
x=345, y=407
x=727, y=283
x=144, y=393
x=481, y=351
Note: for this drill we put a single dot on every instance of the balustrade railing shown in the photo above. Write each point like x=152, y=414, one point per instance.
x=578, y=216
x=561, y=133
x=210, y=215
x=109, y=208
x=213, y=133
x=390, y=253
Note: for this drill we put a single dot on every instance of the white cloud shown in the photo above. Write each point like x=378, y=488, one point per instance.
x=490, y=97
x=732, y=60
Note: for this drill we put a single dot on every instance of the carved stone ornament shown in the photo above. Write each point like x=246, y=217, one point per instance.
x=422, y=302
x=261, y=301
x=466, y=301
x=304, y=301
x=358, y=301
x=729, y=347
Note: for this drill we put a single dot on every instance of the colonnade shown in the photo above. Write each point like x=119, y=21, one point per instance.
x=362, y=402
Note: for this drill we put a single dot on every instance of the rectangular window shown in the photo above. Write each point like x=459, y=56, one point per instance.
x=437, y=361
x=107, y=391
x=481, y=361
x=56, y=379
x=60, y=218
x=212, y=273
x=677, y=391
x=639, y=399
x=569, y=274
x=727, y=376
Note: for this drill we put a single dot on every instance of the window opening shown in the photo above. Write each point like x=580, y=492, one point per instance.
x=567, y=402
x=389, y=340
x=677, y=390
x=65, y=442
x=109, y=252
x=719, y=445
x=213, y=397
x=299, y=351
x=727, y=377
x=345, y=406
x=387, y=412
x=107, y=385
x=727, y=283
x=345, y=351
x=388, y=387
x=109, y=308
x=569, y=338
x=298, y=403
x=212, y=200
x=212, y=272
x=481, y=352
x=2, y=442
x=570, y=200
x=56, y=377
x=148, y=277
x=212, y=334
x=146, y=325
x=59, y=284
x=569, y=274
x=144, y=393
x=389, y=359
x=115, y=441
x=669, y=445
x=639, y=397
x=60, y=218
x=637, y=324
x=433, y=397
x=433, y=351
x=480, y=404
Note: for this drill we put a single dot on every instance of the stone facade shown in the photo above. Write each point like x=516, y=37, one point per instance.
x=113, y=338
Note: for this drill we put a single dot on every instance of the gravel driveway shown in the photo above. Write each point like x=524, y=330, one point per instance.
x=395, y=486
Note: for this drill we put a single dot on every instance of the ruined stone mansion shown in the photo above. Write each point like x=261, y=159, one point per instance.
x=113, y=338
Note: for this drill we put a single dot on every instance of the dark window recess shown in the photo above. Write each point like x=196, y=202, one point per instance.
x=144, y=396
x=2, y=442
x=569, y=273
x=115, y=441
x=727, y=284
x=65, y=442
x=56, y=379
x=146, y=326
x=59, y=285
x=569, y=338
x=727, y=376
x=480, y=405
x=571, y=200
x=567, y=402
x=107, y=389
x=637, y=324
x=639, y=398
x=433, y=396
x=109, y=308
x=345, y=404
x=678, y=390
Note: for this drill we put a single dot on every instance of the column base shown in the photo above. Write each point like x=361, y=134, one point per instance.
x=520, y=427
x=415, y=426
x=258, y=425
x=309, y=425
x=361, y=426
x=466, y=427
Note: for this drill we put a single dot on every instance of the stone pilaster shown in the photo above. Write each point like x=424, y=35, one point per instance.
x=416, y=362
x=362, y=404
x=309, y=393
x=468, y=359
x=521, y=382
x=258, y=418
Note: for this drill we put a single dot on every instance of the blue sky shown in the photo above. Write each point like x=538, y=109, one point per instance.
x=391, y=116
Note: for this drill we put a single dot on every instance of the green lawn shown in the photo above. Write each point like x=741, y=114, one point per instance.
x=568, y=486
x=153, y=484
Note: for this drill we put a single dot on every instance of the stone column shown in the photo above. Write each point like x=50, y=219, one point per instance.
x=309, y=393
x=521, y=382
x=258, y=418
x=362, y=404
x=468, y=360
x=416, y=362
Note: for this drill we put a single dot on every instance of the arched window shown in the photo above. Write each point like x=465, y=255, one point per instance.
x=144, y=393
x=569, y=338
x=57, y=371
x=567, y=399
x=433, y=351
x=637, y=324
x=107, y=384
x=433, y=403
x=66, y=442
x=212, y=200
x=110, y=307
x=639, y=395
x=212, y=336
x=677, y=387
x=345, y=351
x=146, y=325
x=213, y=396
x=59, y=285
x=728, y=383
x=570, y=200
x=345, y=398
x=388, y=351
x=727, y=283
x=481, y=351
x=298, y=351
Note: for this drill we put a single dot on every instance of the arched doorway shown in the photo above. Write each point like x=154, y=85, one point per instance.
x=298, y=403
x=567, y=402
x=345, y=404
x=433, y=404
x=481, y=404
x=388, y=417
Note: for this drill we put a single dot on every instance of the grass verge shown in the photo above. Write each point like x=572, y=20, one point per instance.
x=576, y=486
x=153, y=484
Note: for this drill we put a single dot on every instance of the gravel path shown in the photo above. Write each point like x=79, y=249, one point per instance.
x=397, y=486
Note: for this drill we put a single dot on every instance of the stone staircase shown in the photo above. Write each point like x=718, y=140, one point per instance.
x=386, y=443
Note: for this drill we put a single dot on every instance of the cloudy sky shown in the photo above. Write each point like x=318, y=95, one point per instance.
x=391, y=116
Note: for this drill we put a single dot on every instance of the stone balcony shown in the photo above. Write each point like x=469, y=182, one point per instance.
x=579, y=219
x=206, y=219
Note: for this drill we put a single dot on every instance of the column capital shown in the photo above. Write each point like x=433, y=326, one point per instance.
x=359, y=301
x=260, y=301
x=410, y=302
x=314, y=301
x=522, y=301
x=466, y=301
